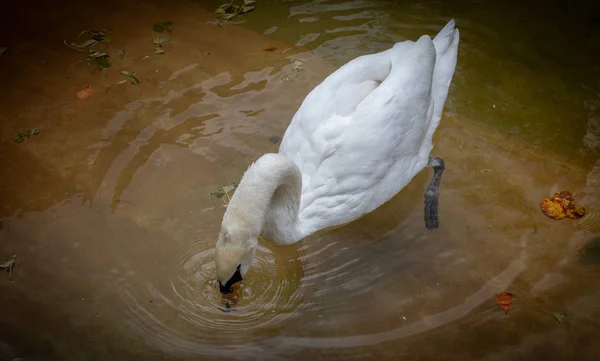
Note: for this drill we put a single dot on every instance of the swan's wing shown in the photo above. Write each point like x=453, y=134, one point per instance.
x=315, y=131
x=377, y=147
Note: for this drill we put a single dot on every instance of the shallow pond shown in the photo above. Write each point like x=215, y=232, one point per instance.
x=110, y=213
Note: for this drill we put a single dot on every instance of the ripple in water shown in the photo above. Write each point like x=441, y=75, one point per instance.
x=185, y=312
x=590, y=199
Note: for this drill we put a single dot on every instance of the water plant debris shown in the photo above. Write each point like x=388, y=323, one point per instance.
x=230, y=10
x=25, y=134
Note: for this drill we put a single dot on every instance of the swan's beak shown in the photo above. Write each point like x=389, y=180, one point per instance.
x=228, y=286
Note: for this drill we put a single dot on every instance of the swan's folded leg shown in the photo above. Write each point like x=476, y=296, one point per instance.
x=432, y=193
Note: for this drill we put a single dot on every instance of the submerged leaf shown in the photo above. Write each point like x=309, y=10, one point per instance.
x=100, y=62
x=159, y=41
x=84, y=44
x=94, y=54
x=94, y=34
x=131, y=77
x=3, y=49
x=246, y=9
x=249, y=2
x=121, y=53
x=297, y=65
x=558, y=316
x=26, y=133
x=85, y=93
x=224, y=190
x=159, y=51
x=163, y=26
x=229, y=16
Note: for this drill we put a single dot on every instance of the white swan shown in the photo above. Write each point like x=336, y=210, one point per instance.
x=358, y=138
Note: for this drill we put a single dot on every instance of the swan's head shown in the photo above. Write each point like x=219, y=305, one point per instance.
x=234, y=255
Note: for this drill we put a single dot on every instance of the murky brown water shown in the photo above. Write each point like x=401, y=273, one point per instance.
x=109, y=209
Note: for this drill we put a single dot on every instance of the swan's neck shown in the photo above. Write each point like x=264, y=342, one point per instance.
x=267, y=200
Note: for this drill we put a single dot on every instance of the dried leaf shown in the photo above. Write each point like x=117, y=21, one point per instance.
x=85, y=93
x=121, y=53
x=163, y=27
x=131, y=77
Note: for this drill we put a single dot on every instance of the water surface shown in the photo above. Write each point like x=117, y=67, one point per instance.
x=110, y=213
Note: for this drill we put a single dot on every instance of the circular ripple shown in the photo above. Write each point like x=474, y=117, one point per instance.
x=186, y=314
x=590, y=199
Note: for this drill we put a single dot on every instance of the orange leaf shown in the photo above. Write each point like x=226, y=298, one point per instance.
x=505, y=300
x=85, y=93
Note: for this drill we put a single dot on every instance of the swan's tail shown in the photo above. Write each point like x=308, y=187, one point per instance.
x=446, y=48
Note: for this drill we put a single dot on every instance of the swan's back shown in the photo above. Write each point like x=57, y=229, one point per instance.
x=362, y=134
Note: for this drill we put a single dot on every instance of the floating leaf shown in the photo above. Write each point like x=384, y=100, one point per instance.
x=131, y=77
x=25, y=134
x=159, y=41
x=505, y=300
x=121, y=53
x=159, y=51
x=163, y=27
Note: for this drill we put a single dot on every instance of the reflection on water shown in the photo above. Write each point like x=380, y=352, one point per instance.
x=110, y=213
